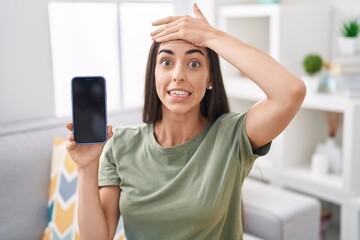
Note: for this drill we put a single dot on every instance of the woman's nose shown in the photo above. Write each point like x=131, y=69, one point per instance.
x=178, y=74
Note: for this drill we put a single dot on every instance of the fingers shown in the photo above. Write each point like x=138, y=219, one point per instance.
x=191, y=29
x=71, y=137
x=160, y=31
x=198, y=12
x=164, y=34
x=110, y=132
x=167, y=37
x=166, y=20
x=71, y=144
x=167, y=28
x=69, y=126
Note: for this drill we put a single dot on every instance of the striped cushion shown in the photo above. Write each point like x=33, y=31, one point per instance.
x=62, y=203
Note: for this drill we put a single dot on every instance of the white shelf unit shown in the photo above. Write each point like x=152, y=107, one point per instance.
x=288, y=162
x=352, y=215
x=286, y=32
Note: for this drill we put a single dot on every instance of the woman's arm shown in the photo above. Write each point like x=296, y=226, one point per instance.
x=98, y=209
x=285, y=92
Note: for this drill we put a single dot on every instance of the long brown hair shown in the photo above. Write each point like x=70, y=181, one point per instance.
x=214, y=103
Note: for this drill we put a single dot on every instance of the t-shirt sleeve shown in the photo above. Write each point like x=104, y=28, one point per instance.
x=108, y=174
x=237, y=132
x=245, y=144
x=247, y=154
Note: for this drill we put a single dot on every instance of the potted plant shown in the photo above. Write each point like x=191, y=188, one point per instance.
x=350, y=30
x=312, y=65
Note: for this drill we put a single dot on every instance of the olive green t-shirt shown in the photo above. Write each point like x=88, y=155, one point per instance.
x=190, y=191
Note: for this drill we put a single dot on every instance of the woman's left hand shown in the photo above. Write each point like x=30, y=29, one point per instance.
x=192, y=29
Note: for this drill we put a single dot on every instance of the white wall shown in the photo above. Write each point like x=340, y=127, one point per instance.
x=26, y=86
x=26, y=80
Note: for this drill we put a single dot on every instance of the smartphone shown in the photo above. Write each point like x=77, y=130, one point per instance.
x=89, y=109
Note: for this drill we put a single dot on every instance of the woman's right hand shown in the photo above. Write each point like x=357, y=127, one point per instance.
x=84, y=155
x=196, y=30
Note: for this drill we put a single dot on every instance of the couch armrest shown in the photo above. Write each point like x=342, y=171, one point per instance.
x=274, y=213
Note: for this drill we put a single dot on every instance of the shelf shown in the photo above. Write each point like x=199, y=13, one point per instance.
x=245, y=89
x=328, y=187
x=277, y=29
x=355, y=203
x=346, y=59
x=329, y=102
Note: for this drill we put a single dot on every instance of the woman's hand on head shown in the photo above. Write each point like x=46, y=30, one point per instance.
x=84, y=154
x=192, y=29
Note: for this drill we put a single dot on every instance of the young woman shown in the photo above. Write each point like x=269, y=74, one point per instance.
x=179, y=175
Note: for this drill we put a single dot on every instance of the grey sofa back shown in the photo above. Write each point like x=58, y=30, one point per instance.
x=25, y=158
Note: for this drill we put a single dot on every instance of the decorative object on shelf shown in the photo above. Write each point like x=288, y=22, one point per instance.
x=350, y=30
x=327, y=83
x=319, y=163
x=329, y=149
x=346, y=85
x=312, y=65
x=346, y=65
x=343, y=75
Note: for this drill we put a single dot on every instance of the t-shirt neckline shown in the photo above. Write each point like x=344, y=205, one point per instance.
x=195, y=141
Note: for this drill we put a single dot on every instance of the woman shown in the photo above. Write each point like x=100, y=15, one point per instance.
x=179, y=176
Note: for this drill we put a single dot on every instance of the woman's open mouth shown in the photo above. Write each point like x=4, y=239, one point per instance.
x=179, y=93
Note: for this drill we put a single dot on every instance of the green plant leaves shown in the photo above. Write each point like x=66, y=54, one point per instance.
x=350, y=27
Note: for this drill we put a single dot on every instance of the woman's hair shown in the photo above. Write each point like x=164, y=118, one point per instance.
x=214, y=103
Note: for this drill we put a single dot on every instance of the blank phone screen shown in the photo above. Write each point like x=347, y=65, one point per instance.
x=89, y=109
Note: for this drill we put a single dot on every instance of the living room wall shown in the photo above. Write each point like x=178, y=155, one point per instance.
x=26, y=86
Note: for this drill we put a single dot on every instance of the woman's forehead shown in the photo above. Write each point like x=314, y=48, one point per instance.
x=179, y=45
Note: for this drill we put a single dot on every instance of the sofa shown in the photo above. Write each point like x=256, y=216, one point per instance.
x=26, y=150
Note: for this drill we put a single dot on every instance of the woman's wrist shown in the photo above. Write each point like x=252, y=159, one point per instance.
x=88, y=169
x=212, y=37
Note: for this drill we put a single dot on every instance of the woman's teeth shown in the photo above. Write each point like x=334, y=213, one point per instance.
x=179, y=93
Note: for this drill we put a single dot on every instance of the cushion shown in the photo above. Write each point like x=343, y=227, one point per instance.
x=62, y=202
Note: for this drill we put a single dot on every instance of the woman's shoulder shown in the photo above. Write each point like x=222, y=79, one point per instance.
x=230, y=123
x=231, y=117
x=128, y=136
x=131, y=130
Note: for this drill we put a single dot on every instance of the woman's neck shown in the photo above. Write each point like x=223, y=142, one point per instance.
x=175, y=130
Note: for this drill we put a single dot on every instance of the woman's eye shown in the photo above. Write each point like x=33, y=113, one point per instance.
x=194, y=64
x=166, y=62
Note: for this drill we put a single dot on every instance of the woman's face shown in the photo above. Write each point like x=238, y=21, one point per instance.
x=182, y=76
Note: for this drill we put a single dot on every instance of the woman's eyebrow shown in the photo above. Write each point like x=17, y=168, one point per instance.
x=166, y=51
x=191, y=51
x=194, y=51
